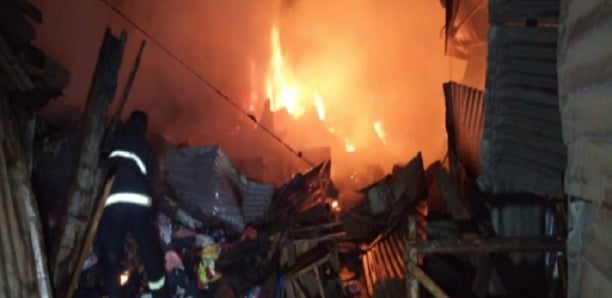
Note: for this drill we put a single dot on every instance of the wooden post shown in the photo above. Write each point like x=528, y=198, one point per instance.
x=88, y=178
x=492, y=245
x=412, y=284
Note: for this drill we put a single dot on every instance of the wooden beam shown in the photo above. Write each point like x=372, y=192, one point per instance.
x=492, y=245
x=88, y=178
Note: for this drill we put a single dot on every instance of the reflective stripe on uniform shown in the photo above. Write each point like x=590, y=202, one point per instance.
x=132, y=156
x=157, y=284
x=132, y=198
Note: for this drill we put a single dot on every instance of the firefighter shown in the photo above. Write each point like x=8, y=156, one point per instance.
x=128, y=208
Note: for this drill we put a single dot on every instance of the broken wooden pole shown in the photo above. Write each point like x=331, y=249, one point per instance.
x=91, y=233
x=126, y=93
x=88, y=177
x=491, y=245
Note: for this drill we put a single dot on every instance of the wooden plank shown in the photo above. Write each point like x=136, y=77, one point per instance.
x=425, y=280
x=88, y=178
x=492, y=245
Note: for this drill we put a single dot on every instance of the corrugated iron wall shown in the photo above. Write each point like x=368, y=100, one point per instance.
x=464, y=123
x=585, y=88
x=522, y=146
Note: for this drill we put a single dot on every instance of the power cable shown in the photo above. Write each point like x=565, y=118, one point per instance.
x=206, y=82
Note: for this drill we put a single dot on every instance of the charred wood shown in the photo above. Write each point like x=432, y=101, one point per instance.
x=89, y=176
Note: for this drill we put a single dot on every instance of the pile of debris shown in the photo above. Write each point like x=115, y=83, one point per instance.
x=221, y=230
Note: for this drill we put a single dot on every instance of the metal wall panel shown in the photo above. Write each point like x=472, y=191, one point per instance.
x=522, y=146
x=516, y=11
x=585, y=89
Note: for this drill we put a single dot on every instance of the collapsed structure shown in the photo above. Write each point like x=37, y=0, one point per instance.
x=478, y=224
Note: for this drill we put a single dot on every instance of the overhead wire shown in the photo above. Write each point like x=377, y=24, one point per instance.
x=205, y=81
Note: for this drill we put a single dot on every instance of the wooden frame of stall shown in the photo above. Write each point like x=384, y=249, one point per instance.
x=470, y=243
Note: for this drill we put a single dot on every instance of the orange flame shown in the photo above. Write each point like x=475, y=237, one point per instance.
x=349, y=147
x=281, y=88
x=318, y=103
x=380, y=131
x=285, y=91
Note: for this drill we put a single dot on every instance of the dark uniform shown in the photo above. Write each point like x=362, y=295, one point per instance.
x=128, y=208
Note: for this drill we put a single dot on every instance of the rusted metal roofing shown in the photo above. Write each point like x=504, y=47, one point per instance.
x=522, y=147
x=383, y=263
x=464, y=123
x=384, y=267
x=585, y=89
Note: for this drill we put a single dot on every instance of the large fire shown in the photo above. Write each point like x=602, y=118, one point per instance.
x=285, y=91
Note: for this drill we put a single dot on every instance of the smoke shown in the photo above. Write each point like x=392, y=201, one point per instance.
x=370, y=60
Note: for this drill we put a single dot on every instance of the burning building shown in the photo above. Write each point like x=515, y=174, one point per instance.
x=425, y=141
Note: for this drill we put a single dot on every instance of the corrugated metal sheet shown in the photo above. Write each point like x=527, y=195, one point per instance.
x=206, y=184
x=256, y=198
x=464, y=123
x=385, y=267
x=585, y=87
x=522, y=147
